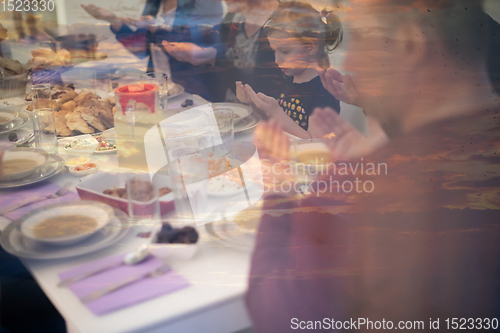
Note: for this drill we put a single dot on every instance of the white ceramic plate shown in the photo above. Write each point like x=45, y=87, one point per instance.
x=101, y=213
x=176, y=91
x=229, y=234
x=23, y=135
x=12, y=240
x=21, y=120
x=240, y=111
x=39, y=157
x=248, y=122
x=8, y=117
x=52, y=167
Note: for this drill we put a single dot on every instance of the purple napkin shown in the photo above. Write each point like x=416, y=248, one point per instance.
x=10, y=198
x=134, y=293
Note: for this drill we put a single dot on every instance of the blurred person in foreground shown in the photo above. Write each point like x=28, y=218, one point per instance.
x=410, y=231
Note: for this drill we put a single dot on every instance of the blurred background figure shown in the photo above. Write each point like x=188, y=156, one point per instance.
x=241, y=52
x=4, y=43
x=166, y=20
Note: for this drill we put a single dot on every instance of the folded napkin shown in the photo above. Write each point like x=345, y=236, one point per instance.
x=134, y=293
x=12, y=197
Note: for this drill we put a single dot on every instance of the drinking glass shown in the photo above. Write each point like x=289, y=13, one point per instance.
x=116, y=80
x=44, y=125
x=189, y=182
x=143, y=200
x=160, y=80
x=225, y=124
x=40, y=96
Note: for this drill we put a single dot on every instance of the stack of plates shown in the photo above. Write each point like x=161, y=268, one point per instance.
x=19, y=239
x=11, y=121
x=47, y=165
x=244, y=117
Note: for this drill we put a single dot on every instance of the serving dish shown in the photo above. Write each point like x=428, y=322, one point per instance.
x=92, y=188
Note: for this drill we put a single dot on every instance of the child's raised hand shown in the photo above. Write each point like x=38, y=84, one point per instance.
x=242, y=94
x=340, y=86
x=273, y=146
x=263, y=102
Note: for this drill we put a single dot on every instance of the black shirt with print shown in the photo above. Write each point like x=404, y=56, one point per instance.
x=299, y=100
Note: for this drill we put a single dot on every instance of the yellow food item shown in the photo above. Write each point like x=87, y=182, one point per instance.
x=64, y=226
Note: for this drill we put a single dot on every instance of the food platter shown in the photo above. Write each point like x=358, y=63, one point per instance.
x=54, y=165
x=78, y=112
x=13, y=241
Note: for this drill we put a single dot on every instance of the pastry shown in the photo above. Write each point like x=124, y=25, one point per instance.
x=75, y=122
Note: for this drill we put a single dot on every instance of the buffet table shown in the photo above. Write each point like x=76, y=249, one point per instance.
x=213, y=302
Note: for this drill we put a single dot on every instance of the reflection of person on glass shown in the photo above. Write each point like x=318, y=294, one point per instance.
x=301, y=39
x=242, y=53
x=166, y=20
x=4, y=45
x=419, y=237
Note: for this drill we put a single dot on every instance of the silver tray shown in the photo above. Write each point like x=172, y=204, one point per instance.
x=15, y=243
x=54, y=165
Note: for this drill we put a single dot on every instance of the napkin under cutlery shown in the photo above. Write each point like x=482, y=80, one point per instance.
x=16, y=196
x=139, y=291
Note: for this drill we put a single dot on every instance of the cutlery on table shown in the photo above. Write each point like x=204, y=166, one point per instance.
x=131, y=258
x=162, y=270
x=55, y=195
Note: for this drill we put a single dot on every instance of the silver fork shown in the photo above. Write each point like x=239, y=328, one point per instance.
x=162, y=270
x=55, y=195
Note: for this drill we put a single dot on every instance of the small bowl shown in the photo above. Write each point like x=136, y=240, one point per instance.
x=100, y=212
x=36, y=155
x=83, y=145
x=74, y=172
x=174, y=250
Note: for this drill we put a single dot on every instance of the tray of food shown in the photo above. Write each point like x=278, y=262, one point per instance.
x=13, y=78
x=79, y=112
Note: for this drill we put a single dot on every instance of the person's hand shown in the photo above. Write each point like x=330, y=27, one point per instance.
x=273, y=146
x=340, y=86
x=265, y=103
x=100, y=13
x=191, y=53
x=242, y=94
x=146, y=21
x=342, y=139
